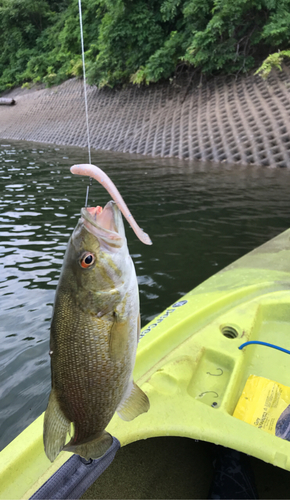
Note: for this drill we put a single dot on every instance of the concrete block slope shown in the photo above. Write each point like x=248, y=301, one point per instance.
x=233, y=119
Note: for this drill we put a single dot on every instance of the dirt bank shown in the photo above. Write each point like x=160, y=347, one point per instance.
x=238, y=120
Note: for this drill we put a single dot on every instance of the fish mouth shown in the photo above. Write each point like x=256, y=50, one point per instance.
x=105, y=223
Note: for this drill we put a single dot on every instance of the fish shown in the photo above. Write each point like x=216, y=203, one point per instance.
x=95, y=330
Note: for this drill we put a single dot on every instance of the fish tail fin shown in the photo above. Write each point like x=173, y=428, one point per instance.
x=95, y=448
x=133, y=403
x=55, y=428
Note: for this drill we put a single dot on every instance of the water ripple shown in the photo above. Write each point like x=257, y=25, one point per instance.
x=200, y=217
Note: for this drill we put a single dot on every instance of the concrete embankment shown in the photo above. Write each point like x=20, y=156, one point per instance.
x=234, y=119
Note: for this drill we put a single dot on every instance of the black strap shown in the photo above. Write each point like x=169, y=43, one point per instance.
x=74, y=477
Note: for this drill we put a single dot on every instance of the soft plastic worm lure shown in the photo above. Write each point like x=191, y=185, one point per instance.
x=100, y=176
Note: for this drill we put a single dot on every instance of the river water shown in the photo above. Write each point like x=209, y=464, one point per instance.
x=199, y=216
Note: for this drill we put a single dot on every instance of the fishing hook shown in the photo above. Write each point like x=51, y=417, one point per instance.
x=216, y=374
x=207, y=392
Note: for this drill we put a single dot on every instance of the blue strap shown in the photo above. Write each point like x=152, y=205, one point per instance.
x=75, y=476
x=259, y=342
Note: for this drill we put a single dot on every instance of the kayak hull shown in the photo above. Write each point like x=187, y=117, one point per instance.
x=190, y=366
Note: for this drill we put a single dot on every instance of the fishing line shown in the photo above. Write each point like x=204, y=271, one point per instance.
x=266, y=344
x=86, y=100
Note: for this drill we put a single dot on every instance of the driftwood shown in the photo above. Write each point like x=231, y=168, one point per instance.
x=7, y=101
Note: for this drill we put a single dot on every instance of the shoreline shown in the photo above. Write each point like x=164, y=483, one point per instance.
x=242, y=120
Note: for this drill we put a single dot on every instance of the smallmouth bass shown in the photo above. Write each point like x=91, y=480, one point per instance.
x=94, y=334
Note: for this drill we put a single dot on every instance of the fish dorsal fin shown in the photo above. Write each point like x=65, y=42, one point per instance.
x=55, y=428
x=134, y=403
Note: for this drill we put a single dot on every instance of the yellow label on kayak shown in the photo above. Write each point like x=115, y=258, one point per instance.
x=266, y=405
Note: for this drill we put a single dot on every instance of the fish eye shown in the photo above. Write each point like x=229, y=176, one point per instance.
x=87, y=260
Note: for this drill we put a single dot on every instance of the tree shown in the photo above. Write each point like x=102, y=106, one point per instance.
x=141, y=41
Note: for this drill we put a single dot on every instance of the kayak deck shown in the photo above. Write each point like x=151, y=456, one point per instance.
x=189, y=364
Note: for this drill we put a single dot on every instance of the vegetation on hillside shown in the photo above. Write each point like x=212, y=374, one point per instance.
x=141, y=41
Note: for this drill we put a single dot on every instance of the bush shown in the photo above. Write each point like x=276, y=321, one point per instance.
x=141, y=41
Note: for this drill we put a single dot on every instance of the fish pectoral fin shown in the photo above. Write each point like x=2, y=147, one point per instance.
x=93, y=449
x=55, y=428
x=118, y=338
x=133, y=404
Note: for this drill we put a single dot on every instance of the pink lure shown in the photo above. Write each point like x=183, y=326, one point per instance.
x=100, y=176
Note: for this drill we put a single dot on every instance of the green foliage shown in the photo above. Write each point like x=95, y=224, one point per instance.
x=40, y=39
x=272, y=61
x=77, y=68
x=141, y=41
x=145, y=41
x=125, y=42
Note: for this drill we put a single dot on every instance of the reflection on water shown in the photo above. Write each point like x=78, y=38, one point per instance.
x=200, y=218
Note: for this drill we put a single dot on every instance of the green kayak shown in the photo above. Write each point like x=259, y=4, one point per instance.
x=196, y=377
